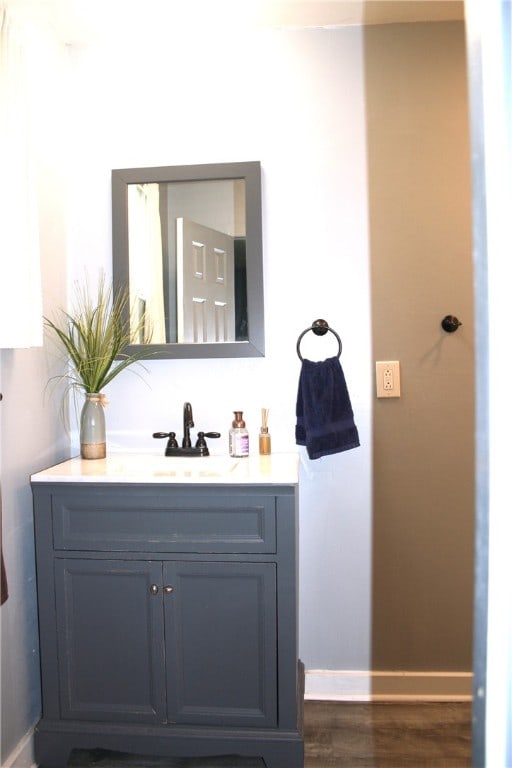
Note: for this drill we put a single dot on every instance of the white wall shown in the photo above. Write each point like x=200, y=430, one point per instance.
x=295, y=101
x=32, y=434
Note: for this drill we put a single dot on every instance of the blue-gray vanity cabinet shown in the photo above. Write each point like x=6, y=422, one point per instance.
x=168, y=621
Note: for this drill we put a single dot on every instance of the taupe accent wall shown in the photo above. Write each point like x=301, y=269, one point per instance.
x=421, y=270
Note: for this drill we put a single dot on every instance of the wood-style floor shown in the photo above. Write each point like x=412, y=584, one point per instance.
x=387, y=735
x=348, y=735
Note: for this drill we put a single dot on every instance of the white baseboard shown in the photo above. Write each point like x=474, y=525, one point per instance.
x=353, y=685
x=23, y=754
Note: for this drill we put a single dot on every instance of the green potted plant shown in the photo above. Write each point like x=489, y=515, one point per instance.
x=93, y=336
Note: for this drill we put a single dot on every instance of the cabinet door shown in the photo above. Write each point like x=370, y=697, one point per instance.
x=110, y=640
x=221, y=643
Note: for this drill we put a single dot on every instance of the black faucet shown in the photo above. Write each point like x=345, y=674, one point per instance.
x=200, y=448
x=188, y=421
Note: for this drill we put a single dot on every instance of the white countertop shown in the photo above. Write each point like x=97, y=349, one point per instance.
x=276, y=469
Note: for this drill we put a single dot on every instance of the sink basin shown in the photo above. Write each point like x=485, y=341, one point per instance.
x=186, y=467
x=176, y=466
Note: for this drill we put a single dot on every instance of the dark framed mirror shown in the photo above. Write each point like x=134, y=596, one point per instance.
x=187, y=243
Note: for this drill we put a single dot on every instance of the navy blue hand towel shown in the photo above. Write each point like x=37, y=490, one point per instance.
x=325, y=420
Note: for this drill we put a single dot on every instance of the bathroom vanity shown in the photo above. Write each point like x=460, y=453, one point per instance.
x=167, y=593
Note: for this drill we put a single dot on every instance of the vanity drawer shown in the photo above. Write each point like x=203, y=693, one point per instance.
x=181, y=522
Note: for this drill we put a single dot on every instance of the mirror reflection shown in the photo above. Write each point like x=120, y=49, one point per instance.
x=187, y=260
x=187, y=241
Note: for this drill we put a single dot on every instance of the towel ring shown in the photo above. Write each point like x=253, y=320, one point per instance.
x=319, y=328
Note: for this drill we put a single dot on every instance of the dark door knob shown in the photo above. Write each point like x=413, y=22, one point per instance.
x=450, y=323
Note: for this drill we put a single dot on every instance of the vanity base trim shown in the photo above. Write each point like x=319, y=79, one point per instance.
x=55, y=740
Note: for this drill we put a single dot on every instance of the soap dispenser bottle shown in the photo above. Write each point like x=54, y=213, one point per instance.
x=238, y=437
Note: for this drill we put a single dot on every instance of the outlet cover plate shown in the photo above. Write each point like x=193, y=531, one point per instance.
x=387, y=378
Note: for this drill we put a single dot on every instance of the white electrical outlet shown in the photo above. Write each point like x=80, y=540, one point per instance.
x=387, y=375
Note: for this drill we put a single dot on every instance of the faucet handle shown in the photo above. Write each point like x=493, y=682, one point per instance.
x=173, y=443
x=201, y=442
